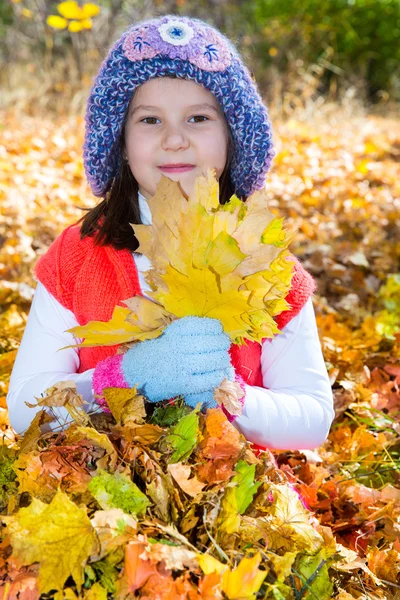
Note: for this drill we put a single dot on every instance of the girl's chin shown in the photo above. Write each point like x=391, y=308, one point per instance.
x=186, y=175
x=186, y=180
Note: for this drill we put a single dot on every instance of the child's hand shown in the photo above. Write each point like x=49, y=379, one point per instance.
x=190, y=358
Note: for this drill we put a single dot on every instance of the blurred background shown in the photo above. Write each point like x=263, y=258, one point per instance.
x=302, y=54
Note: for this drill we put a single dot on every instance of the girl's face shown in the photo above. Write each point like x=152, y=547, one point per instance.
x=174, y=122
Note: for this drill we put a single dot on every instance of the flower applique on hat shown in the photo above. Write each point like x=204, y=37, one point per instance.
x=178, y=39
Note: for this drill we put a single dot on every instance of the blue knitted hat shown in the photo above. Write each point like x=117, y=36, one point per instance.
x=190, y=49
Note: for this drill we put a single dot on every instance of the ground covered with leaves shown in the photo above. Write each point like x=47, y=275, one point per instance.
x=173, y=504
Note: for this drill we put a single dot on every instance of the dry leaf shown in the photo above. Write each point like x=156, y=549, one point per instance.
x=126, y=405
x=228, y=394
x=181, y=474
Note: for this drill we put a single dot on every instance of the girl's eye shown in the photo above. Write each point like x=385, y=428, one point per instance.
x=199, y=117
x=194, y=117
x=146, y=118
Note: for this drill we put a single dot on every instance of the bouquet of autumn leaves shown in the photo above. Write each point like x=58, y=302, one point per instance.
x=171, y=504
x=226, y=262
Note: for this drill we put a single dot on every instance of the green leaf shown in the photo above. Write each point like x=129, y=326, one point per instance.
x=118, y=491
x=313, y=572
x=388, y=320
x=278, y=591
x=238, y=496
x=273, y=234
x=183, y=437
x=246, y=488
x=107, y=573
x=169, y=414
x=7, y=473
x=232, y=205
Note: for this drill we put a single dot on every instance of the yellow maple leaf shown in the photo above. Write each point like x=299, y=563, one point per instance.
x=206, y=188
x=119, y=329
x=147, y=314
x=29, y=470
x=96, y=592
x=244, y=581
x=211, y=252
x=226, y=262
x=209, y=564
x=205, y=299
x=61, y=538
x=288, y=524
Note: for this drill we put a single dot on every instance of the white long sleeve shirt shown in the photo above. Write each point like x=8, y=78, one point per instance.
x=293, y=409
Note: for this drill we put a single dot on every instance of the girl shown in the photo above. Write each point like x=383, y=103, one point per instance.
x=172, y=97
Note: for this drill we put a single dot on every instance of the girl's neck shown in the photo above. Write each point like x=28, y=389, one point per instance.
x=145, y=213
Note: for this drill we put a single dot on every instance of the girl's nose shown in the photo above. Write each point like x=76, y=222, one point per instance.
x=174, y=139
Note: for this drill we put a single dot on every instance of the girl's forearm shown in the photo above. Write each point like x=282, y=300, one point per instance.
x=29, y=388
x=294, y=408
x=284, y=419
x=40, y=363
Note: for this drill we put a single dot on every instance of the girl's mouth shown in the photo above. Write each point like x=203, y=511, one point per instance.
x=178, y=168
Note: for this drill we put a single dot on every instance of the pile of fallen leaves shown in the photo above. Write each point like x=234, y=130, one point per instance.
x=160, y=500
x=294, y=525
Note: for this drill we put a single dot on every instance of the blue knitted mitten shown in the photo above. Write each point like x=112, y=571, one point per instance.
x=190, y=358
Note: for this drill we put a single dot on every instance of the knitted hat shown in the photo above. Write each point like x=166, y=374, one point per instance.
x=190, y=49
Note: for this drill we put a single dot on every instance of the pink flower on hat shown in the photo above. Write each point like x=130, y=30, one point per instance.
x=175, y=38
x=136, y=46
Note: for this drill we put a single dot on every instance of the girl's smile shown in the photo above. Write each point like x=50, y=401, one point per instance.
x=177, y=128
x=178, y=168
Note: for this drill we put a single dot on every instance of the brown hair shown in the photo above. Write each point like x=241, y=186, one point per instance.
x=109, y=221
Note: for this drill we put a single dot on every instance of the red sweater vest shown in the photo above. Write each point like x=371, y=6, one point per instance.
x=91, y=280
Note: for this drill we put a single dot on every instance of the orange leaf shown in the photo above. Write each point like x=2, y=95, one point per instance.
x=210, y=586
x=220, y=449
x=308, y=494
x=181, y=474
x=384, y=563
x=165, y=587
x=137, y=569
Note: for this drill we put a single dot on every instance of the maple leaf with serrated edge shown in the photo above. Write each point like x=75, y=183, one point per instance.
x=227, y=262
x=58, y=535
x=240, y=583
x=288, y=523
x=118, y=330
